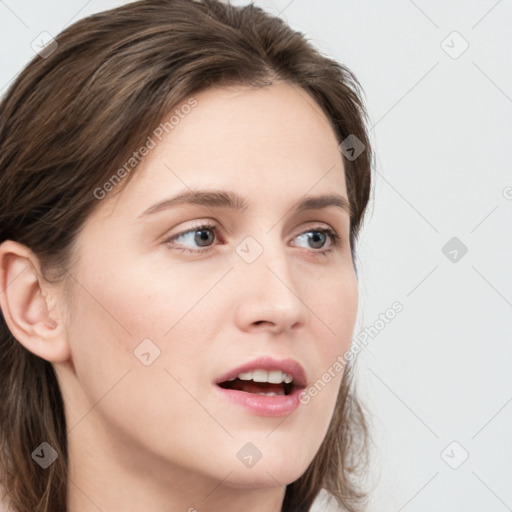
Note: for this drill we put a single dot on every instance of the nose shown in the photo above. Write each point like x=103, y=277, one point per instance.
x=268, y=297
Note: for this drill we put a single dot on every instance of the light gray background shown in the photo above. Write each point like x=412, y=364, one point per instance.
x=441, y=127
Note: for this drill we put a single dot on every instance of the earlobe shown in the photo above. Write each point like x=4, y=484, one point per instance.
x=28, y=304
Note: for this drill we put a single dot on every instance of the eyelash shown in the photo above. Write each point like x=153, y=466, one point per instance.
x=333, y=236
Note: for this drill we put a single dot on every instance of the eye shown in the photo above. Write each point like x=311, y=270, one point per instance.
x=316, y=238
x=204, y=235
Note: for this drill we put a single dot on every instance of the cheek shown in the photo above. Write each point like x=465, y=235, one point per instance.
x=135, y=301
x=120, y=313
x=114, y=322
x=336, y=310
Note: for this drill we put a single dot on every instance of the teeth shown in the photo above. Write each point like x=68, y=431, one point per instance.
x=274, y=377
x=260, y=376
x=270, y=394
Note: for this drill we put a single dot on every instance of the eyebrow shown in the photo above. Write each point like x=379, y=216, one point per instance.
x=233, y=201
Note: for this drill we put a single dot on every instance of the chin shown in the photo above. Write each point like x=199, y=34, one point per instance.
x=279, y=463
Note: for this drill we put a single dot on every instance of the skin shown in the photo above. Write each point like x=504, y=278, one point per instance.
x=157, y=437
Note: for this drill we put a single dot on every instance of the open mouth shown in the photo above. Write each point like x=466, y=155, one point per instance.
x=265, y=386
x=258, y=388
x=261, y=382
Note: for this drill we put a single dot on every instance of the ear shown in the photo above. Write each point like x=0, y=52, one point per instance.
x=29, y=304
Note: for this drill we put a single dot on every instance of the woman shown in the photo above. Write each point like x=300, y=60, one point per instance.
x=182, y=187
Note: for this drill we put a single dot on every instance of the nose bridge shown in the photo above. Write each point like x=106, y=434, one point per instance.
x=267, y=258
x=270, y=293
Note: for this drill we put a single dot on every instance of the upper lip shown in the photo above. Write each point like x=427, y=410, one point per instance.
x=289, y=366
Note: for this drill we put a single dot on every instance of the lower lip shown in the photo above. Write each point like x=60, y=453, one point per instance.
x=278, y=405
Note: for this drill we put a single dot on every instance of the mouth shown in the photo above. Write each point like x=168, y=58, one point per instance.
x=261, y=382
x=266, y=386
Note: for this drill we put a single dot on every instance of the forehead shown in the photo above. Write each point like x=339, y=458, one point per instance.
x=257, y=121
x=265, y=142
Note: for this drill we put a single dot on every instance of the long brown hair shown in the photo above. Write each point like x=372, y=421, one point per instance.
x=68, y=123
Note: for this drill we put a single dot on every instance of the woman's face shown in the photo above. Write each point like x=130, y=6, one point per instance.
x=164, y=308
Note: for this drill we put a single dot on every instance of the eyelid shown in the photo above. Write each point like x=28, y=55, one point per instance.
x=204, y=224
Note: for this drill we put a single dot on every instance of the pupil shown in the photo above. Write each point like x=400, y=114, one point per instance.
x=203, y=236
x=318, y=236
